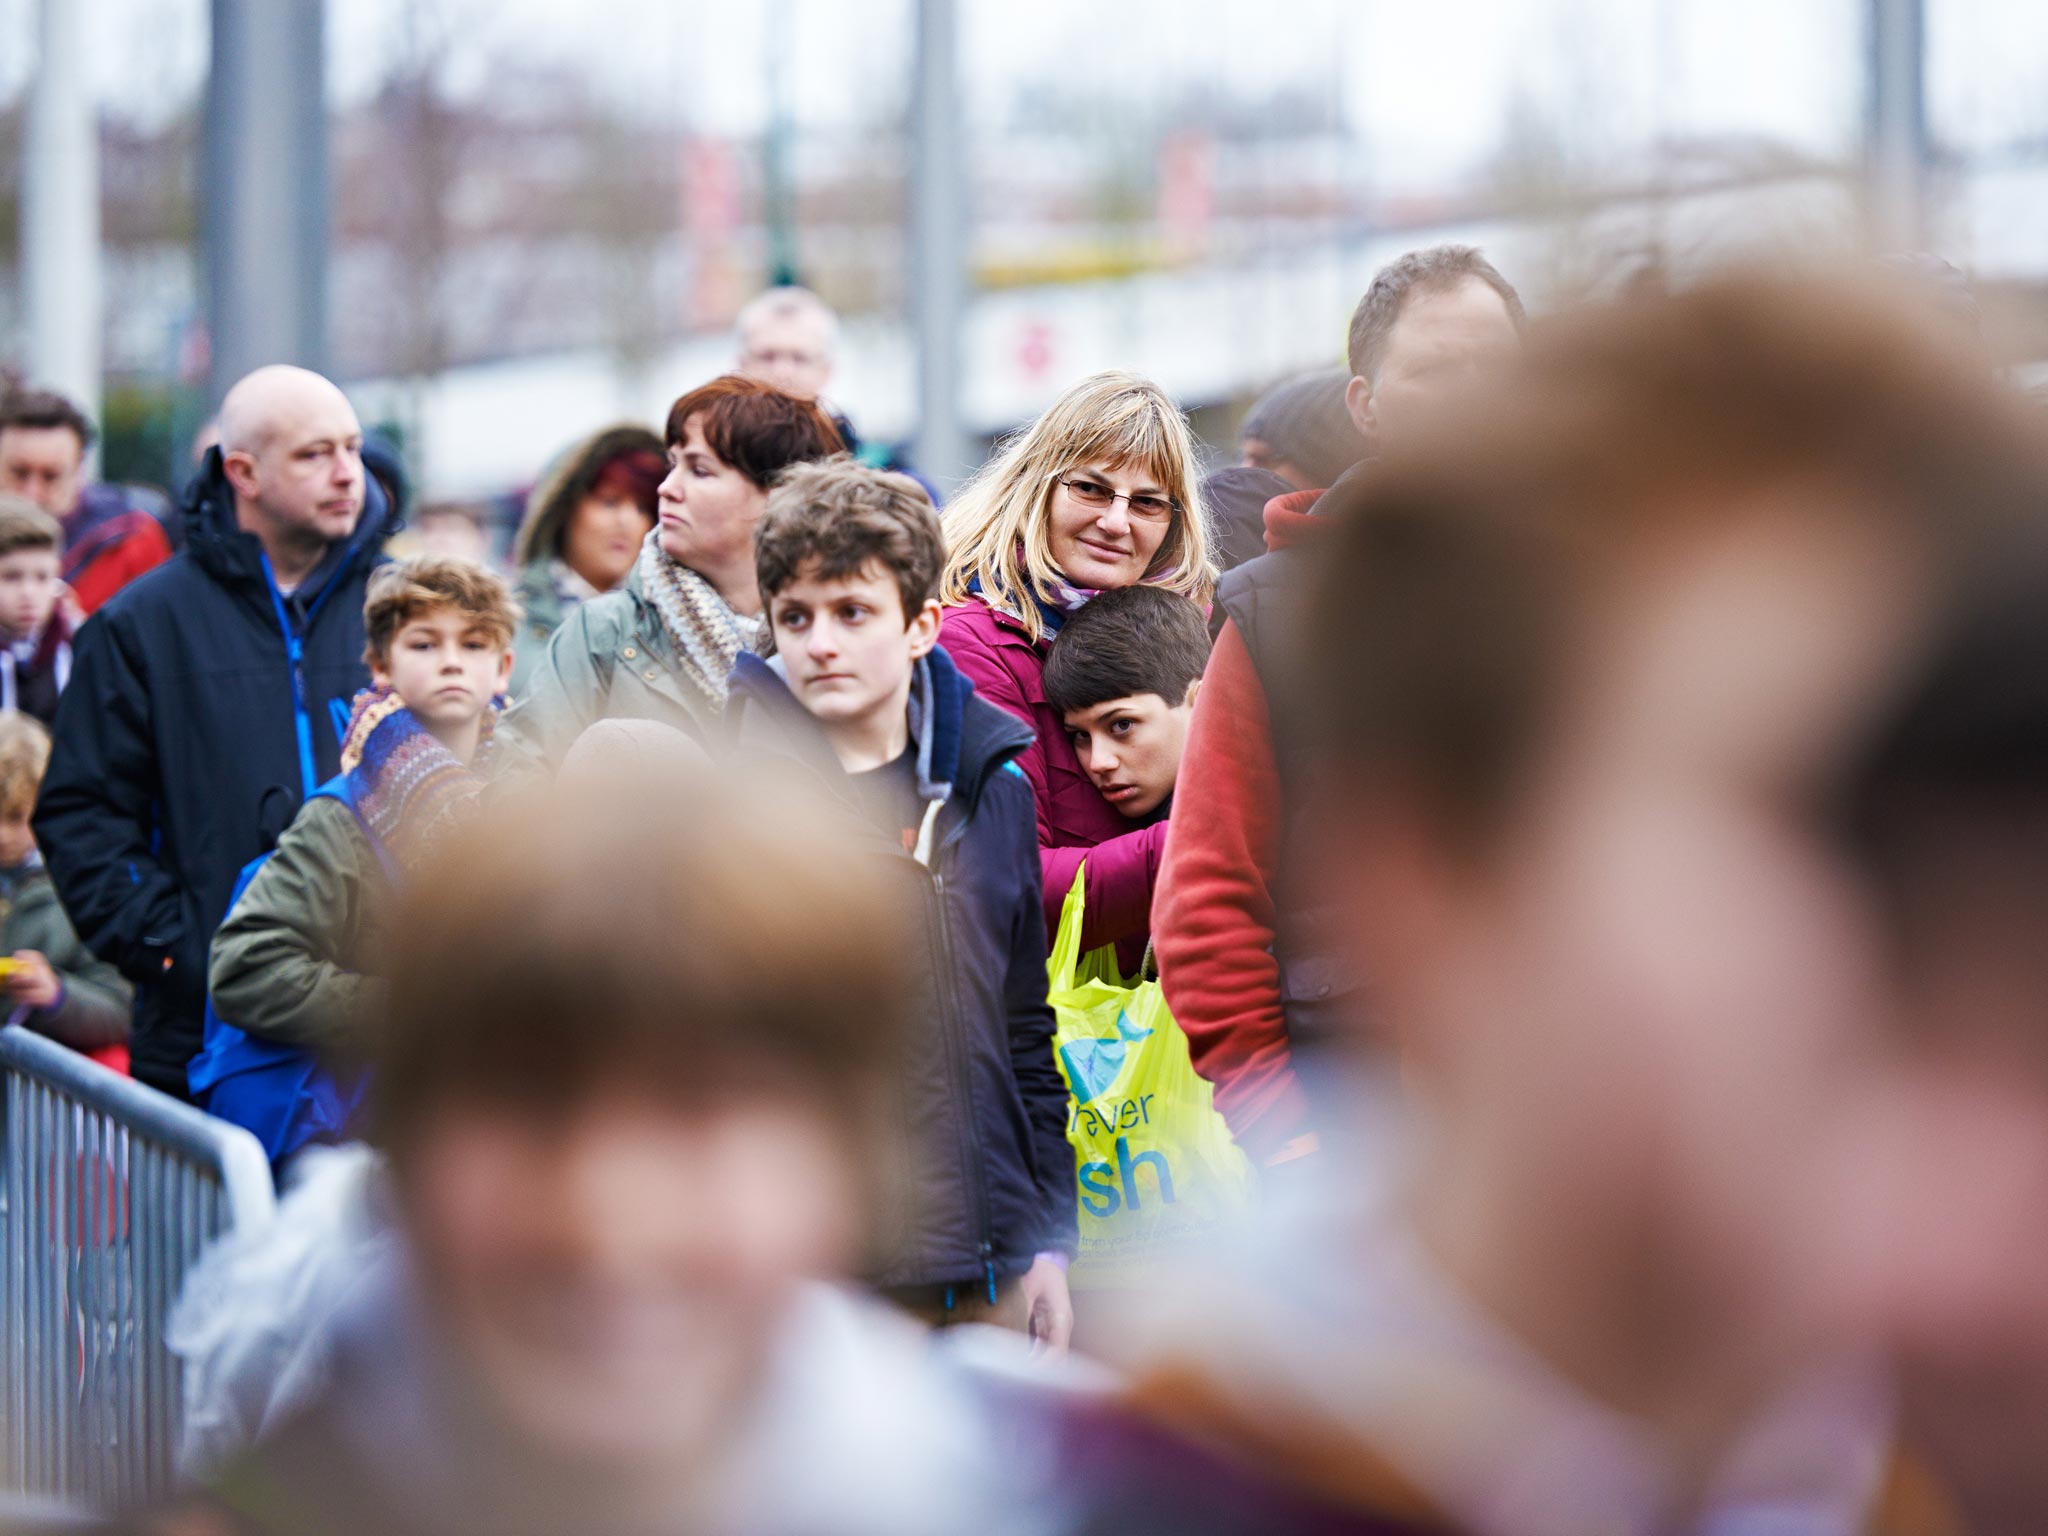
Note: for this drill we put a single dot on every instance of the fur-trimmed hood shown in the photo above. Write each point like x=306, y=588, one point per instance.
x=567, y=481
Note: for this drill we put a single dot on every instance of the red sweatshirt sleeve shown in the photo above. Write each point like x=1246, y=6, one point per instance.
x=1122, y=872
x=143, y=548
x=1212, y=923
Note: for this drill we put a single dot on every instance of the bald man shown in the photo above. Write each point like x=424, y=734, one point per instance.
x=207, y=699
x=789, y=337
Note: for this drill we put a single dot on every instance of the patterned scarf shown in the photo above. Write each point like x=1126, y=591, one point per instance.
x=1053, y=607
x=707, y=634
x=409, y=789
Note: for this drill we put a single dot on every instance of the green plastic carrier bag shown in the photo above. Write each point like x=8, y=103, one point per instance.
x=1154, y=1161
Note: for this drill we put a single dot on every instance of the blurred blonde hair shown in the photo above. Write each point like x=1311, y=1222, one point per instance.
x=998, y=529
x=24, y=754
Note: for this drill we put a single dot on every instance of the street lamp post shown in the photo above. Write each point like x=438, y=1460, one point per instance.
x=60, y=235
x=265, y=187
x=1897, y=123
x=939, y=218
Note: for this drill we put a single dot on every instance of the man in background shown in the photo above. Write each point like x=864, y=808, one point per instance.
x=1302, y=430
x=111, y=533
x=789, y=337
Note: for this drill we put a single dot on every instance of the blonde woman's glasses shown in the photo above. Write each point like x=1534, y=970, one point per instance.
x=1097, y=496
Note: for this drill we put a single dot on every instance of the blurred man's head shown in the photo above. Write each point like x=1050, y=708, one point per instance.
x=457, y=530
x=43, y=443
x=1301, y=429
x=1429, y=322
x=1944, y=1175
x=789, y=338
x=1586, y=690
x=628, y=1091
x=292, y=450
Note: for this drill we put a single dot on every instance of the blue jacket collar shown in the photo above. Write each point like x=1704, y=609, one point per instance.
x=959, y=741
x=230, y=554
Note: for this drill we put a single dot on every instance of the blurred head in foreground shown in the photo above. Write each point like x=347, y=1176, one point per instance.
x=627, y=1094
x=1301, y=429
x=1944, y=1167
x=1593, y=690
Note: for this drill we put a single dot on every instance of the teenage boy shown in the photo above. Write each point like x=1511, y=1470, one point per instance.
x=1585, y=699
x=876, y=719
x=1123, y=673
x=35, y=636
x=295, y=962
x=51, y=983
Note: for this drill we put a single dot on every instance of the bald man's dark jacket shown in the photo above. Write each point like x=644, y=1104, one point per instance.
x=203, y=707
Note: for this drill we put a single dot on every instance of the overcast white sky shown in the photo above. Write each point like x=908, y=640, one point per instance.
x=1425, y=85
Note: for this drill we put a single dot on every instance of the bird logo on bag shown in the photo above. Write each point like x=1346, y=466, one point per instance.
x=1093, y=1065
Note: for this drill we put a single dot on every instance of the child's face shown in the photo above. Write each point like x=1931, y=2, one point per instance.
x=613, y=1313
x=1130, y=748
x=446, y=668
x=28, y=590
x=845, y=644
x=17, y=842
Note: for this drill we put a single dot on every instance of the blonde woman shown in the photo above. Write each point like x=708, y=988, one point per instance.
x=1099, y=492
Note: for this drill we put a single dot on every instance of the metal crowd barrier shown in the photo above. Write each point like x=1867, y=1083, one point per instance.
x=112, y=1189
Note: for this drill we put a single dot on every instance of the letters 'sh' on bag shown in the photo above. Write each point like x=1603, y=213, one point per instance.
x=1154, y=1160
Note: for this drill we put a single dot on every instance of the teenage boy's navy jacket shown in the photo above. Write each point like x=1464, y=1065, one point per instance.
x=203, y=707
x=992, y=1175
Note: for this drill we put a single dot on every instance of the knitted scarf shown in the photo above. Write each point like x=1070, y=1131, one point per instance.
x=708, y=635
x=409, y=789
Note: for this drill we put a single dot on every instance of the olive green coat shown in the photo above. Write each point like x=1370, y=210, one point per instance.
x=296, y=960
x=93, y=1012
x=612, y=659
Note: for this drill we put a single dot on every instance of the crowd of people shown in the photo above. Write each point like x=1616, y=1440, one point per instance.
x=1578, y=783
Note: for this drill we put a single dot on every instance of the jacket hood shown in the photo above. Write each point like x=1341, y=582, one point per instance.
x=1291, y=519
x=1236, y=499
x=1301, y=516
x=957, y=746
x=566, y=482
x=230, y=555
x=386, y=470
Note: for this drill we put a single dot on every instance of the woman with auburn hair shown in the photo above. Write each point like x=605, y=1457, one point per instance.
x=659, y=648
x=1100, y=492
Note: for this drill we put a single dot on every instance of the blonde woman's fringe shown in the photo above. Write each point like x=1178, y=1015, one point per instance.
x=998, y=527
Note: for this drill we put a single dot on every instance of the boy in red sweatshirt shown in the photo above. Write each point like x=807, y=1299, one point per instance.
x=1241, y=960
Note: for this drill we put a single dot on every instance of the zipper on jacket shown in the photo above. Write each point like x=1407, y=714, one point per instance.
x=295, y=652
x=959, y=831
x=295, y=648
x=977, y=1177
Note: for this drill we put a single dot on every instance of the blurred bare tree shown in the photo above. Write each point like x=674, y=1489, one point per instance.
x=489, y=204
